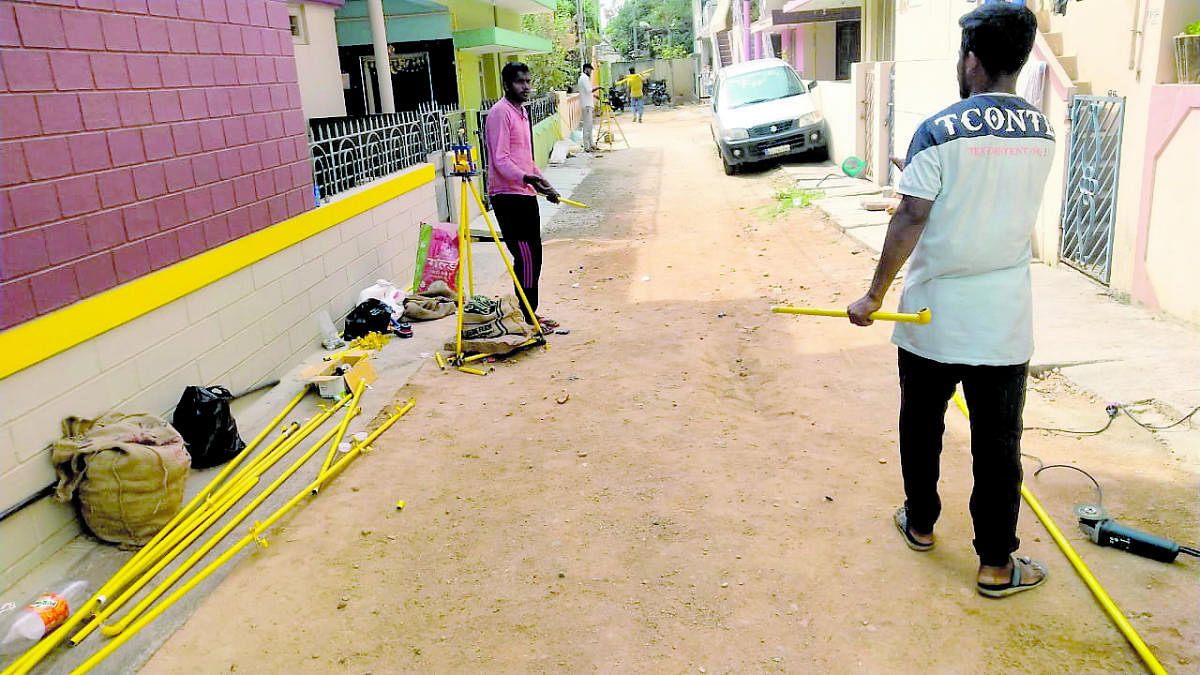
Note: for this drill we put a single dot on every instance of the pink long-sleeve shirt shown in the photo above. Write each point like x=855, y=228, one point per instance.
x=510, y=150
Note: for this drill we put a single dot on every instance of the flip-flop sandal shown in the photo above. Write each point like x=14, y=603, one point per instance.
x=901, y=520
x=1014, y=585
x=548, y=324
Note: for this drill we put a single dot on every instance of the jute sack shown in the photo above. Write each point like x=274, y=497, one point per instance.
x=129, y=472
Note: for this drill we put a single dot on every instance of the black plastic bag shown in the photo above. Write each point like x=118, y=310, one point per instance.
x=208, y=428
x=370, y=316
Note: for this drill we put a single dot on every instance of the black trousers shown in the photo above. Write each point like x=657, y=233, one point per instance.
x=996, y=398
x=521, y=226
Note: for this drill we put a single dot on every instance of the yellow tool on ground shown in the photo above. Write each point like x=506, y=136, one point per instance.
x=140, y=560
x=251, y=536
x=922, y=317
x=1089, y=580
x=341, y=429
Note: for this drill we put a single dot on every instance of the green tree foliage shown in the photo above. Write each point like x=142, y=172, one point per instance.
x=559, y=68
x=669, y=35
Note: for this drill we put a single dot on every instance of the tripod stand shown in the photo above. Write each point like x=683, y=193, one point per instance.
x=464, y=168
x=604, y=133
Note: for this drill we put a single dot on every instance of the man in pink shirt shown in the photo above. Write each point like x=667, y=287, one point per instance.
x=514, y=182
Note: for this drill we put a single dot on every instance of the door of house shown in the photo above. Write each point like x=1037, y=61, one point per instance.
x=847, y=47
x=412, y=81
x=1090, y=197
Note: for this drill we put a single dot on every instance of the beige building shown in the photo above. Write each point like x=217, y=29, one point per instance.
x=1115, y=206
x=317, y=68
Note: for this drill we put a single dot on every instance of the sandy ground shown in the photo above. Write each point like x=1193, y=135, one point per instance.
x=715, y=495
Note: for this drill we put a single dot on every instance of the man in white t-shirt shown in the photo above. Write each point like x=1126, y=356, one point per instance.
x=972, y=183
x=587, y=99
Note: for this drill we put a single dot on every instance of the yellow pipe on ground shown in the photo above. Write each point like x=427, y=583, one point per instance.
x=251, y=536
x=35, y=654
x=341, y=429
x=1106, y=602
x=211, y=516
x=473, y=371
x=110, y=630
x=216, y=505
x=922, y=317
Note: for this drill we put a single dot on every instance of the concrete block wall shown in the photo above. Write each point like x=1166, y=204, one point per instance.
x=137, y=133
x=248, y=327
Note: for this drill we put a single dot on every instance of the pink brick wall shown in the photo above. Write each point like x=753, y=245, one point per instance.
x=137, y=133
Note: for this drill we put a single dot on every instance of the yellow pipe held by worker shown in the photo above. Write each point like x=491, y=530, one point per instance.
x=255, y=532
x=139, y=560
x=571, y=202
x=1106, y=602
x=922, y=317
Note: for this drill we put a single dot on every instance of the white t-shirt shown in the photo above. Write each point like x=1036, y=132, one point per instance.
x=983, y=162
x=584, y=85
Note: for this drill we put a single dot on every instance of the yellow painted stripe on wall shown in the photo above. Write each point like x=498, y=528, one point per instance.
x=38, y=339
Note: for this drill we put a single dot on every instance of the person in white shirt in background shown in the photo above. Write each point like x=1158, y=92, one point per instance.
x=587, y=101
x=971, y=187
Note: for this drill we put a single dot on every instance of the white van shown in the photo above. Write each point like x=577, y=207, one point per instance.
x=762, y=109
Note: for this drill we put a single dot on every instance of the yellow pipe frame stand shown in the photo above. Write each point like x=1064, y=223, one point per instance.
x=604, y=132
x=465, y=171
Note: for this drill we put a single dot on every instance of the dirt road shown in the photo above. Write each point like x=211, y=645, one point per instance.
x=715, y=495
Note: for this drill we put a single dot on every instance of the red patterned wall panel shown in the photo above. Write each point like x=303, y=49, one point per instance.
x=137, y=133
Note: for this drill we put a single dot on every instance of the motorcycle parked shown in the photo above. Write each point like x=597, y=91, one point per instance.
x=656, y=92
x=617, y=99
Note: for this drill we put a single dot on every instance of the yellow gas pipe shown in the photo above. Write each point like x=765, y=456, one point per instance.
x=251, y=536
x=212, y=542
x=922, y=317
x=115, y=583
x=201, y=520
x=341, y=429
x=1106, y=602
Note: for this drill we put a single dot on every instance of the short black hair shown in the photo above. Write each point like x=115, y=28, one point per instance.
x=509, y=72
x=630, y=70
x=1000, y=35
x=588, y=66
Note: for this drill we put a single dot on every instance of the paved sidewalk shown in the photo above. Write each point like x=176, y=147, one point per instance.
x=395, y=364
x=1115, y=351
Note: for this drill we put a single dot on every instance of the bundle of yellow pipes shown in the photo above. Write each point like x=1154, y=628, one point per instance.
x=220, y=495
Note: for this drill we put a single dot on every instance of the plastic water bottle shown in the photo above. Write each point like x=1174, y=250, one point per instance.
x=40, y=617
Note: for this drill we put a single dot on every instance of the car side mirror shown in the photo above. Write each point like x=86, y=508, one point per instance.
x=812, y=85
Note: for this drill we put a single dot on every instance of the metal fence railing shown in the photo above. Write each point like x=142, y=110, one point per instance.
x=350, y=151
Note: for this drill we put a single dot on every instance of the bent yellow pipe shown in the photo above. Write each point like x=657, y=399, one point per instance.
x=251, y=536
x=209, y=545
x=116, y=582
x=922, y=317
x=1106, y=602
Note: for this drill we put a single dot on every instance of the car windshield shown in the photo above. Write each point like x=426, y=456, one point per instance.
x=760, y=86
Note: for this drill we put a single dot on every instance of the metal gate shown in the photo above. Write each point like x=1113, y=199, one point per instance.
x=1090, y=198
